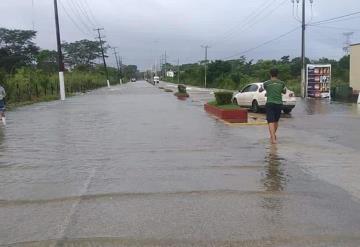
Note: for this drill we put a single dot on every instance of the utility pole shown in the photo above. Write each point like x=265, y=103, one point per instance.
x=117, y=63
x=206, y=49
x=347, y=43
x=60, y=56
x=178, y=65
x=103, y=55
x=165, y=66
x=303, y=63
x=121, y=65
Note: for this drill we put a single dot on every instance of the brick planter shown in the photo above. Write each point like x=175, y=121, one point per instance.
x=229, y=115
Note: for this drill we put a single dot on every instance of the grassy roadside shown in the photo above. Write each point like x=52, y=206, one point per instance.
x=225, y=107
x=13, y=105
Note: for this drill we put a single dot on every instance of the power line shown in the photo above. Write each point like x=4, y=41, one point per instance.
x=73, y=20
x=257, y=19
x=335, y=18
x=335, y=28
x=83, y=10
x=245, y=20
x=262, y=44
x=79, y=16
x=91, y=13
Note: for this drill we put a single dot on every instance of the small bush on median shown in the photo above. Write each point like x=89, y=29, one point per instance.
x=182, y=89
x=181, y=92
x=223, y=97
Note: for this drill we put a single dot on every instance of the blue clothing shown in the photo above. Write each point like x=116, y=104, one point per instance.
x=2, y=105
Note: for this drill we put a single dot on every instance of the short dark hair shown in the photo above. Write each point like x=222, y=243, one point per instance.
x=274, y=72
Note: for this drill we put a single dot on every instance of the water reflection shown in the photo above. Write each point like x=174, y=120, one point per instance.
x=1, y=139
x=274, y=181
x=316, y=106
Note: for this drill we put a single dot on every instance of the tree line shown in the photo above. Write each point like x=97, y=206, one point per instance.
x=28, y=72
x=237, y=73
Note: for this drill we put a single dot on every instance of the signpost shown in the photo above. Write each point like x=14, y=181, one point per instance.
x=318, y=80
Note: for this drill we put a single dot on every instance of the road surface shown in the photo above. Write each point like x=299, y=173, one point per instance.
x=134, y=166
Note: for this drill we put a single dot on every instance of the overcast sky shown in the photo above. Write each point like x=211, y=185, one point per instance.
x=144, y=29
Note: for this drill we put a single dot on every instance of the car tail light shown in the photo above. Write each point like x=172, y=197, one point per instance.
x=291, y=95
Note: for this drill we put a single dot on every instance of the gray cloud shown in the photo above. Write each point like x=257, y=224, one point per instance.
x=143, y=29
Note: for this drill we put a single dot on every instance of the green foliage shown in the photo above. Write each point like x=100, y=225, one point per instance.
x=82, y=52
x=228, y=106
x=235, y=74
x=223, y=97
x=17, y=48
x=47, y=61
x=130, y=71
x=181, y=88
x=342, y=92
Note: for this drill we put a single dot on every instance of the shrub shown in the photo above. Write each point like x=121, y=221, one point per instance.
x=223, y=97
x=182, y=89
x=168, y=90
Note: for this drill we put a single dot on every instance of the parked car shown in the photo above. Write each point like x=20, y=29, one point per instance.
x=133, y=79
x=156, y=79
x=253, y=96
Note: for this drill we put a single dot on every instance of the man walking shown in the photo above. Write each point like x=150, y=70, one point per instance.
x=2, y=104
x=274, y=90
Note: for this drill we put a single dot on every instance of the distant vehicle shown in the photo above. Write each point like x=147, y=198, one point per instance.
x=253, y=96
x=156, y=79
x=133, y=79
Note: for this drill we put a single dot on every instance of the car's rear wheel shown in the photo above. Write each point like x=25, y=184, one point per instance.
x=255, y=106
x=287, y=111
x=235, y=101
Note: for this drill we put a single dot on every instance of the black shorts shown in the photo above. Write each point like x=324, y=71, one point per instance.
x=273, y=112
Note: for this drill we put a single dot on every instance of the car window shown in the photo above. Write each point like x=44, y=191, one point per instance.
x=253, y=88
x=246, y=89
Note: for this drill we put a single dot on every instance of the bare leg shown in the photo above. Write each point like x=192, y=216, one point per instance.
x=276, y=128
x=272, y=130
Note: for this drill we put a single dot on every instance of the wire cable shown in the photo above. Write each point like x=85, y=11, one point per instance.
x=91, y=13
x=73, y=20
x=244, y=21
x=79, y=16
x=335, y=18
x=80, y=5
x=262, y=44
x=257, y=19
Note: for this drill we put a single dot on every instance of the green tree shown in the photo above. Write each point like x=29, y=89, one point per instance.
x=17, y=48
x=47, y=61
x=130, y=71
x=82, y=53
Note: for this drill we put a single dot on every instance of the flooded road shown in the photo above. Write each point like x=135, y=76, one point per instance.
x=134, y=166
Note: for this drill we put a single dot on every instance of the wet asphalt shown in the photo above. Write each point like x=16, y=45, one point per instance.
x=135, y=166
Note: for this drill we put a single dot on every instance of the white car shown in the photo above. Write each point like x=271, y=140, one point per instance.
x=156, y=79
x=253, y=96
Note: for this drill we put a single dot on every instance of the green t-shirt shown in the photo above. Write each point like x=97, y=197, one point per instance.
x=274, y=90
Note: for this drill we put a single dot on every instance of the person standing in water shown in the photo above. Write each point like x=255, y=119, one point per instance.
x=2, y=104
x=274, y=90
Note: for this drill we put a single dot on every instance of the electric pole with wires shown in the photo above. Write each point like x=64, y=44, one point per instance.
x=117, y=63
x=206, y=47
x=60, y=56
x=178, y=68
x=303, y=58
x=103, y=55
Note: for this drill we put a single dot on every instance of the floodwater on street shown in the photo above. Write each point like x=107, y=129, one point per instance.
x=135, y=166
